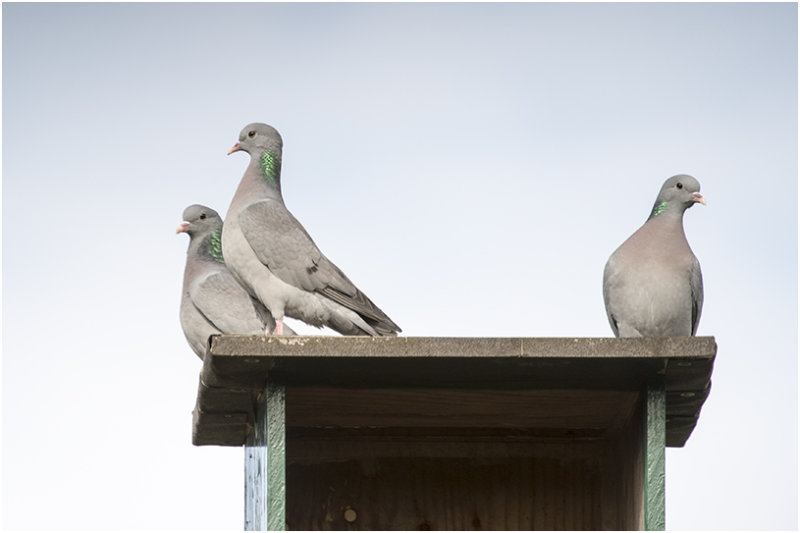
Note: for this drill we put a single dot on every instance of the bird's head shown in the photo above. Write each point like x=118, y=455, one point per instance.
x=677, y=195
x=257, y=138
x=197, y=219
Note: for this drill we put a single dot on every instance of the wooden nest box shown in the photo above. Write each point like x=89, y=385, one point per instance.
x=412, y=433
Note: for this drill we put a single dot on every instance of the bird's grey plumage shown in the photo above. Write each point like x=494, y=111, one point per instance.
x=274, y=257
x=213, y=302
x=652, y=284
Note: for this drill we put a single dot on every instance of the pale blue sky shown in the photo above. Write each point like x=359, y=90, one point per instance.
x=470, y=166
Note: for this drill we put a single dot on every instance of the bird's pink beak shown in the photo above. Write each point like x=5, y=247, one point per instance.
x=698, y=198
x=183, y=227
x=236, y=148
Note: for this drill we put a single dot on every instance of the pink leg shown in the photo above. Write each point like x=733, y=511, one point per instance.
x=277, y=329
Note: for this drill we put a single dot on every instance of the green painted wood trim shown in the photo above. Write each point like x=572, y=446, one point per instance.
x=655, y=454
x=265, y=463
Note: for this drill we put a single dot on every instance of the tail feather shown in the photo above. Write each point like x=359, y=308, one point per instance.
x=367, y=310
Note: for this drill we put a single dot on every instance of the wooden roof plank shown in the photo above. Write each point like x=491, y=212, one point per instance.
x=236, y=367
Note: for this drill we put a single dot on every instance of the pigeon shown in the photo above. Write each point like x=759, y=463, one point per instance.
x=276, y=260
x=652, y=284
x=213, y=302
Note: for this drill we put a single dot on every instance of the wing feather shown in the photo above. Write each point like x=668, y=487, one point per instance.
x=282, y=244
x=696, y=282
x=225, y=303
x=608, y=280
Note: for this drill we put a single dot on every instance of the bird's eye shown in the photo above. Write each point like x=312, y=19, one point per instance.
x=203, y=216
x=251, y=133
x=679, y=185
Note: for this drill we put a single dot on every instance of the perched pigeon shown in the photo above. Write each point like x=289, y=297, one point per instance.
x=652, y=285
x=213, y=302
x=273, y=256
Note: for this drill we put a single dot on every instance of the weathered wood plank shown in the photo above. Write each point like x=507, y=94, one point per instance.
x=482, y=347
x=439, y=476
x=265, y=464
x=465, y=408
x=332, y=445
x=219, y=429
x=392, y=493
x=457, y=362
x=276, y=455
x=255, y=511
x=236, y=367
x=655, y=457
x=225, y=399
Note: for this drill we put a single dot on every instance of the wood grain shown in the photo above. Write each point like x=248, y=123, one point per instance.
x=428, y=407
x=463, y=459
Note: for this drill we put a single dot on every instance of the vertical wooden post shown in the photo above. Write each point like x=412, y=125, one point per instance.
x=655, y=431
x=265, y=463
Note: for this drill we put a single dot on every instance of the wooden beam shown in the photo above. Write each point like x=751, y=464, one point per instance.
x=265, y=463
x=236, y=368
x=655, y=455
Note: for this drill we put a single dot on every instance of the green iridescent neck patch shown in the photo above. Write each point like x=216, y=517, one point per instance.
x=214, y=247
x=270, y=167
x=660, y=208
